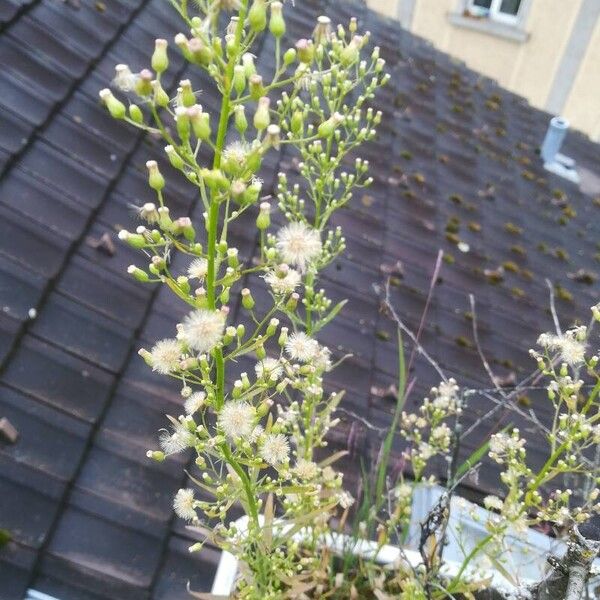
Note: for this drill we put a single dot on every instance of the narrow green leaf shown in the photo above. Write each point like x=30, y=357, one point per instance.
x=332, y=314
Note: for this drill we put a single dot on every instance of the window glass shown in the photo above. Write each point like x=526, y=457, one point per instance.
x=510, y=7
x=482, y=3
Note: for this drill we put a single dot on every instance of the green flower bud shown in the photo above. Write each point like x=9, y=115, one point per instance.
x=253, y=191
x=115, y=107
x=262, y=117
x=272, y=327
x=283, y=336
x=143, y=85
x=263, y=221
x=200, y=122
x=297, y=122
x=155, y=178
x=263, y=409
x=214, y=179
x=182, y=43
x=183, y=284
x=138, y=273
x=241, y=123
x=257, y=15
x=247, y=299
x=184, y=226
x=182, y=121
x=289, y=56
x=161, y=98
x=156, y=455
x=255, y=83
x=188, y=97
x=292, y=302
x=232, y=258
x=349, y=55
x=174, y=158
x=248, y=63
x=353, y=25
x=261, y=353
x=135, y=240
x=305, y=50
x=146, y=356
x=239, y=79
x=224, y=297
x=164, y=219
x=327, y=128
x=273, y=137
x=160, y=60
x=238, y=189
x=136, y=114
x=277, y=23
x=200, y=53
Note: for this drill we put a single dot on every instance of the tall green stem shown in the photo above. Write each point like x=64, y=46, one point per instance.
x=213, y=218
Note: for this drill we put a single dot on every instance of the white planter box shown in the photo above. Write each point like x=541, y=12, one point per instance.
x=224, y=582
x=526, y=559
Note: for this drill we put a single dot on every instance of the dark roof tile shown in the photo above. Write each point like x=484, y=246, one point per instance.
x=113, y=296
x=49, y=440
x=30, y=33
x=47, y=206
x=20, y=290
x=63, y=173
x=31, y=245
x=23, y=100
x=31, y=68
x=181, y=567
x=77, y=142
x=83, y=332
x=29, y=501
x=16, y=563
x=68, y=383
x=104, y=556
x=64, y=21
x=89, y=113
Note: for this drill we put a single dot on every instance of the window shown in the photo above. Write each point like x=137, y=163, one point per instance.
x=505, y=11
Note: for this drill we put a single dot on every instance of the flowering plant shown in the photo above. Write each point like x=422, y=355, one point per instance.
x=534, y=496
x=254, y=440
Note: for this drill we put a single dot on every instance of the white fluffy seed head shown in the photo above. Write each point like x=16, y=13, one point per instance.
x=194, y=402
x=177, y=441
x=301, y=347
x=165, y=356
x=203, y=329
x=183, y=504
x=305, y=469
x=268, y=368
x=283, y=282
x=275, y=449
x=299, y=244
x=237, y=419
x=198, y=269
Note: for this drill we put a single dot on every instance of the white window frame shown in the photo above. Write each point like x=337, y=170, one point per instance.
x=495, y=14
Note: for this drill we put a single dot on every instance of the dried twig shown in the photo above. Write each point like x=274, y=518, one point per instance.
x=553, y=307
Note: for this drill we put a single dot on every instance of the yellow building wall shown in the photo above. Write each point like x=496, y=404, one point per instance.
x=583, y=104
x=385, y=7
x=527, y=68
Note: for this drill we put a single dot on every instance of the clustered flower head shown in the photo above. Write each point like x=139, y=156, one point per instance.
x=202, y=329
x=236, y=419
x=253, y=432
x=570, y=346
x=299, y=244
